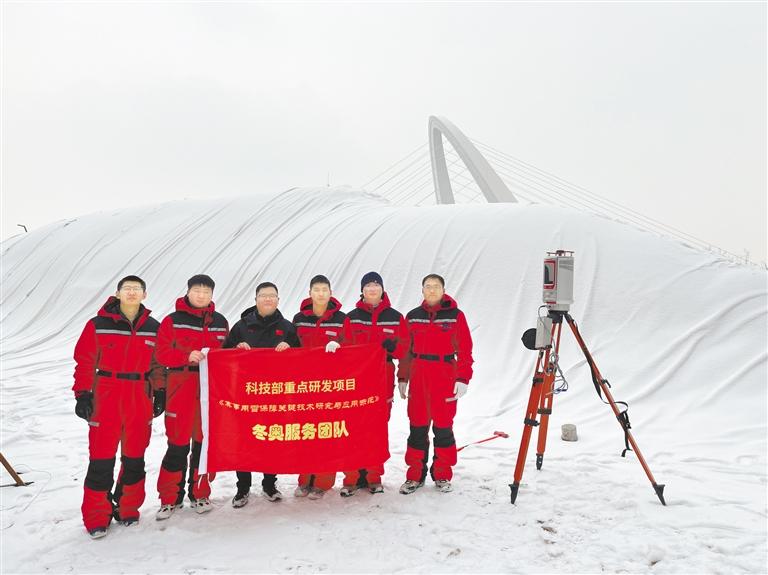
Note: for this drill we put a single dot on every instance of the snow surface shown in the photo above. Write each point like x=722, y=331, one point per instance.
x=680, y=335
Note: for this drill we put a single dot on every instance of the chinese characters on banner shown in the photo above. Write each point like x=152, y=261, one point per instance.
x=297, y=411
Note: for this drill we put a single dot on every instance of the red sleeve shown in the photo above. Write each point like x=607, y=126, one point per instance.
x=463, y=346
x=402, y=340
x=86, y=359
x=404, y=365
x=165, y=350
x=346, y=331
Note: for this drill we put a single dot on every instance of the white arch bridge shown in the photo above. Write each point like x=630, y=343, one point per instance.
x=452, y=168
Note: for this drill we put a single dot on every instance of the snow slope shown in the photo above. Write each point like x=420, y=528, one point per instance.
x=680, y=335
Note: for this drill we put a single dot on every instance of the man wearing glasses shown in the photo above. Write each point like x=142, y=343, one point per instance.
x=438, y=369
x=194, y=326
x=261, y=326
x=115, y=374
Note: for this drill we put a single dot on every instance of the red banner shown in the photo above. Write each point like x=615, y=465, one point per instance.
x=296, y=411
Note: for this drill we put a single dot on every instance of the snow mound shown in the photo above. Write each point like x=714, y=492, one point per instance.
x=680, y=334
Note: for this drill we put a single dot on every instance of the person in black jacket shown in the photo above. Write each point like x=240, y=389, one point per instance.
x=261, y=326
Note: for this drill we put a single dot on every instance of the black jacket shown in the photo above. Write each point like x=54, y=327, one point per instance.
x=263, y=332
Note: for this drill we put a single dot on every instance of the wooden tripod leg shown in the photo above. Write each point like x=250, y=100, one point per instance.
x=658, y=488
x=547, y=395
x=11, y=471
x=530, y=421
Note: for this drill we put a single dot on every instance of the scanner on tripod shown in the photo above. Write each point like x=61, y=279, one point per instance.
x=557, y=296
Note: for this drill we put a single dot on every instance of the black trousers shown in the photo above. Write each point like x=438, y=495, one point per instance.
x=244, y=480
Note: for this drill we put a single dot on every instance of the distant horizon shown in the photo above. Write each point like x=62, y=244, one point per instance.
x=659, y=107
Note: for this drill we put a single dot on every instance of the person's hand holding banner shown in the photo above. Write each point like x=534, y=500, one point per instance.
x=332, y=346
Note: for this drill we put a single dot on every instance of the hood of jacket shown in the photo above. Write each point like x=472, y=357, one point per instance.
x=182, y=304
x=334, y=305
x=111, y=309
x=447, y=302
x=384, y=304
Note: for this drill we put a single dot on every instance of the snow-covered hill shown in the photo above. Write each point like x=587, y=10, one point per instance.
x=680, y=335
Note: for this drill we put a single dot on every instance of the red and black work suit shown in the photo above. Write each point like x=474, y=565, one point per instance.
x=115, y=359
x=185, y=330
x=260, y=332
x=376, y=325
x=440, y=354
x=315, y=331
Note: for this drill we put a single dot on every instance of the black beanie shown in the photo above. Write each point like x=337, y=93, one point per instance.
x=319, y=279
x=201, y=280
x=371, y=277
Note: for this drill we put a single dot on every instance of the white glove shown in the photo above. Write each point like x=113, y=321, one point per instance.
x=459, y=390
x=332, y=346
x=402, y=386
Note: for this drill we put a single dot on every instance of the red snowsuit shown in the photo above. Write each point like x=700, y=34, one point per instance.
x=183, y=331
x=374, y=325
x=115, y=360
x=315, y=331
x=440, y=353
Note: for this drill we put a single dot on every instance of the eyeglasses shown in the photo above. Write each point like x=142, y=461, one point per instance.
x=132, y=289
x=432, y=287
x=267, y=296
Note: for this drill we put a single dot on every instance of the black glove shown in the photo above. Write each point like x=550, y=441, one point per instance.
x=84, y=405
x=389, y=345
x=158, y=402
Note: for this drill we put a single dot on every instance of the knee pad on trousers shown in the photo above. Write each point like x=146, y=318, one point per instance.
x=100, y=474
x=133, y=470
x=176, y=457
x=444, y=437
x=418, y=438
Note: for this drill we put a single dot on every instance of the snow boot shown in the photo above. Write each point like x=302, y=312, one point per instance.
x=202, y=505
x=315, y=493
x=167, y=510
x=348, y=490
x=97, y=532
x=410, y=486
x=240, y=499
x=271, y=492
x=302, y=491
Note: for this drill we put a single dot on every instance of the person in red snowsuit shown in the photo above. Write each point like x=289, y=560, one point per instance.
x=194, y=325
x=115, y=375
x=437, y=368
x=374, y=320
x=320, y=323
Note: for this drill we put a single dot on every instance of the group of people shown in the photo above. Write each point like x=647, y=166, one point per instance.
x=131, y=368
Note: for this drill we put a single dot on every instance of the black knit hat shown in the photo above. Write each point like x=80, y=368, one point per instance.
x=319, y=279
x=201, y=280
x=371, y=277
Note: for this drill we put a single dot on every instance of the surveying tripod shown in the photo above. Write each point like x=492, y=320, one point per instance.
x=542, y=392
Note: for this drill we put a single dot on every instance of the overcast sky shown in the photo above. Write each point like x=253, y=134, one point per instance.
x=658, y=106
